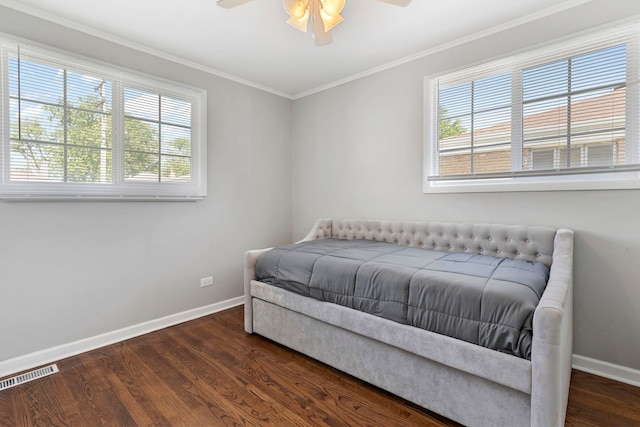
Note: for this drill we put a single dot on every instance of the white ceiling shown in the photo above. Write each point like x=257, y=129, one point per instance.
x=252, y=43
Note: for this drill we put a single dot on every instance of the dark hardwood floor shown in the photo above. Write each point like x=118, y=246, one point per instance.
x=208, y=372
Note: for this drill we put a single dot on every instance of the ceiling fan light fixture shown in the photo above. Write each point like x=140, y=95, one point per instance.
x=299, y=23
x=323, y=14
x=329, y=20
x=332, y=7
x=298, y=11
x=296, y=8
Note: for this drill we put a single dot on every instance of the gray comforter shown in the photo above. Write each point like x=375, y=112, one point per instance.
x=481, y=299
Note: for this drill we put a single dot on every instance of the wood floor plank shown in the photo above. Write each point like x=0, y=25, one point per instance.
x=293, y=386
x=209, y=372
x=94, y=394
x=129, y=387
x=40, y=405
x=590, y=393
x=197, y=381
x=65, y=403
x=7, y=414
x=399, y=411
x=157, y=390
x=249, y=405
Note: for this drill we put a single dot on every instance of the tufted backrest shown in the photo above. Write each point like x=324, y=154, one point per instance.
x=528, y=243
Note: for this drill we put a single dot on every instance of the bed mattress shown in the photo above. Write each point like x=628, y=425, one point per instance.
x=485, y=300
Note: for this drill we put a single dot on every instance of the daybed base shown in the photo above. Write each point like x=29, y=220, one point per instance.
x=464, y=382
x=450, y=392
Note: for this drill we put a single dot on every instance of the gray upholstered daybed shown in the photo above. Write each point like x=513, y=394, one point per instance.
x=468, y=383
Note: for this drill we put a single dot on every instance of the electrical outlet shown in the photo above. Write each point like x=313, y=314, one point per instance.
x=206, y=281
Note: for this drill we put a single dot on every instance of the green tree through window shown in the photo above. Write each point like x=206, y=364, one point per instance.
x=81, y=149
x=447, y=126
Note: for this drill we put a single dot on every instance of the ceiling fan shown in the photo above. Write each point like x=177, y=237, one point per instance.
x=323, y=15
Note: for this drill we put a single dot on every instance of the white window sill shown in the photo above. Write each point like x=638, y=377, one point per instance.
x=574, y=183
x=79, y=198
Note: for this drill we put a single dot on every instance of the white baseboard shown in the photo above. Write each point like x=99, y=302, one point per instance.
x=53, y=354
x=607, y=370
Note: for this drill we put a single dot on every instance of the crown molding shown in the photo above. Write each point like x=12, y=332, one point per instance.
x=463, y=40
x=73, y=25
x=565, y=5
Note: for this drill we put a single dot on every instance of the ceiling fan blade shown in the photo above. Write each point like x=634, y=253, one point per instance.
x=228, y=4
x=320, y=36
x=402, y=3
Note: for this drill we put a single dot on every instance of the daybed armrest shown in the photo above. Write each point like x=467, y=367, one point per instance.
x=321, y=228
x=552, y=346
x=250, y=260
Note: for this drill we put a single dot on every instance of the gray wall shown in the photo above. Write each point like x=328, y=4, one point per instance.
x=364, y=159
x=75, y=270
x=72, y=270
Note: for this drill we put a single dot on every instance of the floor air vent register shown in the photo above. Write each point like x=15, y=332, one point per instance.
x=28, y=376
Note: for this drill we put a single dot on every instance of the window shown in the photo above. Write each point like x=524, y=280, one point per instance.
x=76, y=129
x=562, y=117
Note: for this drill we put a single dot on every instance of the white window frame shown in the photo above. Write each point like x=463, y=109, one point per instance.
x=627, y=33
x=119, y=188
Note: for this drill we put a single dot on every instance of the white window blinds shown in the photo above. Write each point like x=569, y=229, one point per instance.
x=564, y=110
x=78, y=129
x=474, y=119
x=60, y=123
x=157, y=136
x=575, y=108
